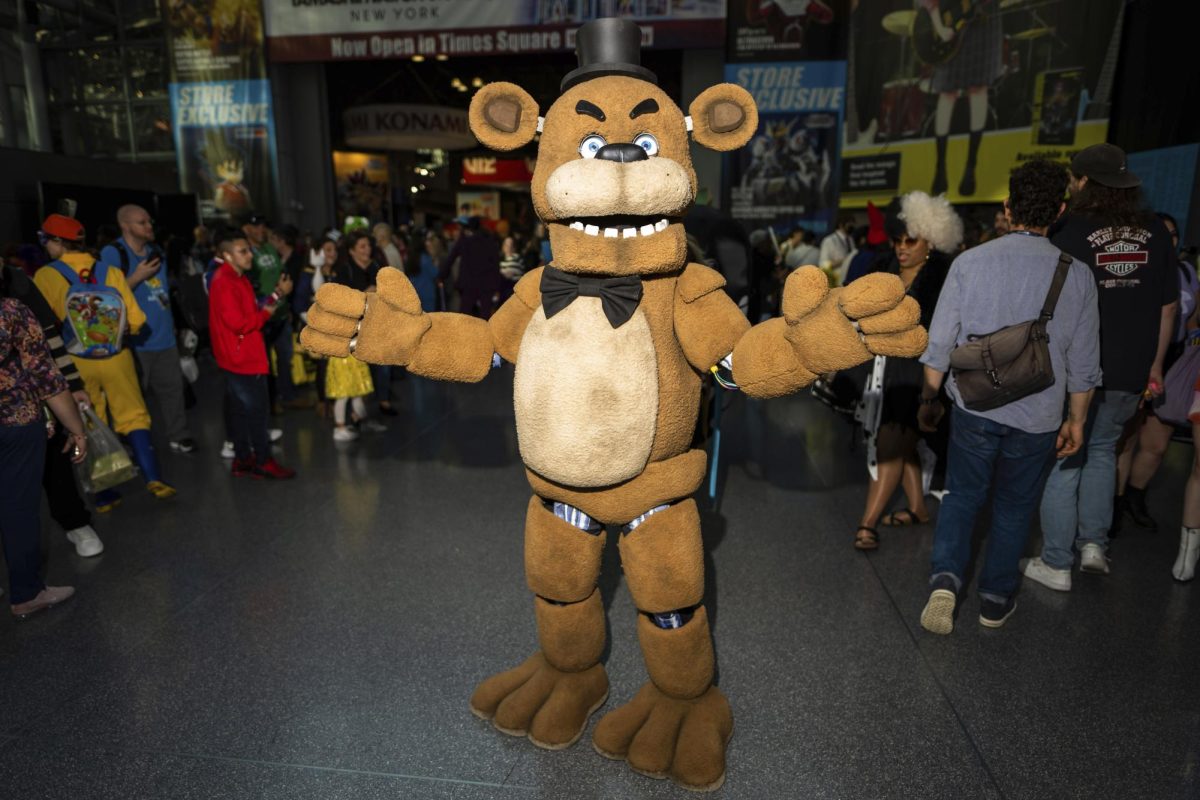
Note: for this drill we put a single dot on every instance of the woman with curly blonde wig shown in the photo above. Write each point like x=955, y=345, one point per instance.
x=926, y=234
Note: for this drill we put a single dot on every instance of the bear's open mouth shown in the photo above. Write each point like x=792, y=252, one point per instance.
x=620, y=226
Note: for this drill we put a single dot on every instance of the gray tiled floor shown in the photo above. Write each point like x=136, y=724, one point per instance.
x=320, y=638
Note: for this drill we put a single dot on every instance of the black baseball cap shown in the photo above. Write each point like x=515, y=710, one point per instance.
x=1104, y=164
x=252, y=218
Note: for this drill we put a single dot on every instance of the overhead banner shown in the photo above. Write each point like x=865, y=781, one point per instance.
x=798, y=30
x=788, y=174
x=344, y=30
x=948, y=96
x=489, y=170
x=362, y=182
x=222, y=119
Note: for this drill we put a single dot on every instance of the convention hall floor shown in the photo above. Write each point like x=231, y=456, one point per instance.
x=320, y=638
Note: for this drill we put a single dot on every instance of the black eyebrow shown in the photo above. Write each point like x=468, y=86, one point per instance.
x=591, y=109
x=647, y=106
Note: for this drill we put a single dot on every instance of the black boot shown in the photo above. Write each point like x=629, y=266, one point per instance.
x=940, y=184
x=966, y=187
x=1135, y=507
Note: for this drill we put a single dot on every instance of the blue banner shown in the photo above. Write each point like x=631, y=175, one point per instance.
x=788, y=174
x=225, y=144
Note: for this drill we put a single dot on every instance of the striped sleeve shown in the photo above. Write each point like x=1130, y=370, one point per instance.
x=22, y=289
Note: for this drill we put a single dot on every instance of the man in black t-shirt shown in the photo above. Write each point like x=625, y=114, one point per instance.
x=1130, y=253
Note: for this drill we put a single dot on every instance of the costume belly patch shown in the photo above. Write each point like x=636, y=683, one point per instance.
x=586, y=396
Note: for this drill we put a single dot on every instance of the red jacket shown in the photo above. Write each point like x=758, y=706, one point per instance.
x=235, y=323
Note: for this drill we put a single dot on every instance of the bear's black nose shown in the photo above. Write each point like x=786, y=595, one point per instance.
x=623, y=152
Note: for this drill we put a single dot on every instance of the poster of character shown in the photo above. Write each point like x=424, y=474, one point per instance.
x=223, y=122
x=362, y=185
x=945, y=95
x=788, y=174
x=485, y=205
x=770, y=30
x=225, y=145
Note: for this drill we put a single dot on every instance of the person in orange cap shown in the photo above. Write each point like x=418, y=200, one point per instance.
x=110, y=379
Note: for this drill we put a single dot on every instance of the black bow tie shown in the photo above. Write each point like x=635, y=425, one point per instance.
x=618, y=296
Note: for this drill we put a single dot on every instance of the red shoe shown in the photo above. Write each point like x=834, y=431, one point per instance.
x=270, y=468
x=244, y=468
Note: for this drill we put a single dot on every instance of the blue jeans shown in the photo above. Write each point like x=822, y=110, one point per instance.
x=982, y=455
x=246, y=407
x=1078, y=501
x=22, y=455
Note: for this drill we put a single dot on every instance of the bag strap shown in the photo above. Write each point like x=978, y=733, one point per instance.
x=1056, y=285
x=69, y=275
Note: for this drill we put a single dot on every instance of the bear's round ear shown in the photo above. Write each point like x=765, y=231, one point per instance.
x=724, y=117
x=503, y=116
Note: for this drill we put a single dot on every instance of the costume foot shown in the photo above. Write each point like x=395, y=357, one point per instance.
x=537, y=700
x=661, y=736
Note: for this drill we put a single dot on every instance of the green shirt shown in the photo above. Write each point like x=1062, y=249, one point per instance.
x=264, y=274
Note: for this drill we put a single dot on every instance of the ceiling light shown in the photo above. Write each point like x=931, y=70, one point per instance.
x=477, y=82
x=442, y=57
x=418, y=58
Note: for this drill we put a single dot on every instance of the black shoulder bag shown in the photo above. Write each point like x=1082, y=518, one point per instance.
x=998, y=368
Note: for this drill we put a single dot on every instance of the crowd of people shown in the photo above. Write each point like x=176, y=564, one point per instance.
x=96, y=332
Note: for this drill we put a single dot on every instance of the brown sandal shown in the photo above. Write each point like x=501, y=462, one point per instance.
x=866, y=538
x=894, y=520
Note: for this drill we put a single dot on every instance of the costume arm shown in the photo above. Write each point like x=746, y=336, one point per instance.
x=708, y=324
x=510, y=320
x=133, y=312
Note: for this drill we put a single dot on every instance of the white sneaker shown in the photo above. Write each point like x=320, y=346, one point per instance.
x=1092, y=559
x=1189, y=553
x=372, y=426
x=87, y=543
x=275, y=433
x=227, y=450
x=344, y=434
x=1039, y=571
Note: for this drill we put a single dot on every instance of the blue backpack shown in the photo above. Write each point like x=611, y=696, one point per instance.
x=95, y=321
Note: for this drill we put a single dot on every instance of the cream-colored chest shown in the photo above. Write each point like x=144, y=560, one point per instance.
x=586, y=396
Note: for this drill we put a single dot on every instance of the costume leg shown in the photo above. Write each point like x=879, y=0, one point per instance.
x=678, y=724
x=551, y=695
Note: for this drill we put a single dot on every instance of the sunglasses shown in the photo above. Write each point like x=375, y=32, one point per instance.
x=908, y=241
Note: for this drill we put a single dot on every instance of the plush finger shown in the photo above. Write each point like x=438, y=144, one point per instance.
x=324, y=344
x=338, y=299
x=332, y=324
x=397, y=291
x=803, y=291
x=907, y=344
x=899, y=319
x=871, y=294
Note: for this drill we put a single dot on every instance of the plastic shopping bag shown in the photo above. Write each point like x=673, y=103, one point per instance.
x=107, y=464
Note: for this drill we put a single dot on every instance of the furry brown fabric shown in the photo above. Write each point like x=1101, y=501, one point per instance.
x=548, y=705
x=764, y=369
x=664, y=737
x=707, y=323
x=572, y=634
x=724, y=117
x=663, y=559
x=586, y=396
x=561, y=562
x=662, y=482
x=679, y=660
x=456, y=348
x=503, y=116
x=509, y=322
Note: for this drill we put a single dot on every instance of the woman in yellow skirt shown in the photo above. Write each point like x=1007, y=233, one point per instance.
x=347, y=382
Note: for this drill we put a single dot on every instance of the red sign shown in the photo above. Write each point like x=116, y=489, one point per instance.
x=487, y=170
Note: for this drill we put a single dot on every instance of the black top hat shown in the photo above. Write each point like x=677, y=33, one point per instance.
x=608, y=46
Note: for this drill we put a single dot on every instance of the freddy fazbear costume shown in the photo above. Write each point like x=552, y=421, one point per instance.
x=610, y=344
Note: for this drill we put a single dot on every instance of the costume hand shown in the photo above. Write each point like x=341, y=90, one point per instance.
x=929, y=415
x=1070, y=439
x=833, y=329
x=386, y=326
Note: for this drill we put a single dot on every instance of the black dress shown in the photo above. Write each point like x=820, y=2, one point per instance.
x=903, y=377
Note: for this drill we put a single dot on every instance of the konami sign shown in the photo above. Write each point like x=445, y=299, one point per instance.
x=407, y=127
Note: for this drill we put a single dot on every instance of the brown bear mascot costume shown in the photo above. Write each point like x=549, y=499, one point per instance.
x=610, y=344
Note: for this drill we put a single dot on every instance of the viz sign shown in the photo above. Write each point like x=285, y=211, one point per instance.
x=407, y=127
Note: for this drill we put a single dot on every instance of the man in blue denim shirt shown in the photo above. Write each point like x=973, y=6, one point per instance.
x=1008, y=449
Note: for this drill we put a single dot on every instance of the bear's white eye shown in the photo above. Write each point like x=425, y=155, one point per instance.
x=591, y=145
x=648, y=143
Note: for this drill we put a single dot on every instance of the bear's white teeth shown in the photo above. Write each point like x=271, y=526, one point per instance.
x=622, y=232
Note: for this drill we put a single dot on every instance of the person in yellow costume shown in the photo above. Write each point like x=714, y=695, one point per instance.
x=112, y=382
